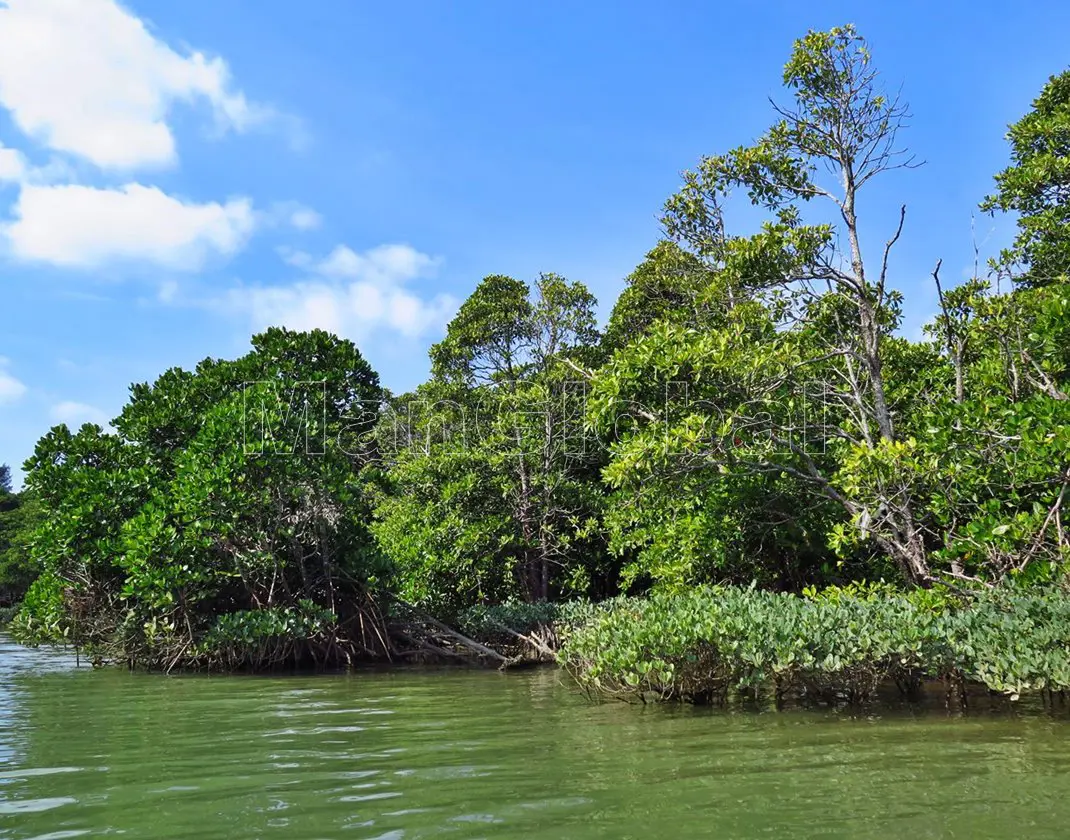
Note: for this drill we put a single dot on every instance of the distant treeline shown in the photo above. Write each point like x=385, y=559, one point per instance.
x=19, y=517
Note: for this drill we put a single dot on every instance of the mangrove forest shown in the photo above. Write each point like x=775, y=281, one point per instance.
x=749, y=482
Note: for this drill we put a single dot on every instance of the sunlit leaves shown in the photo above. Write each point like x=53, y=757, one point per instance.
x=708, y=644
x=236, y=485
x=1037, y=186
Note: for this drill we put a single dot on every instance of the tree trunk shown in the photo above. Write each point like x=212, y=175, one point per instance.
x=908, y=549
x=530, y=564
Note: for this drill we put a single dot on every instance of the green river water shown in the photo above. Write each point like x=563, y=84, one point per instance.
x=413, y=754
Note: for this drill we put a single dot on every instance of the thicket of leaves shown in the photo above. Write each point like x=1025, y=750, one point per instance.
x=221, y=497
x=488, y=489
x=751, y=413
x=765, y=419
x=19, y=516
x=711, y=644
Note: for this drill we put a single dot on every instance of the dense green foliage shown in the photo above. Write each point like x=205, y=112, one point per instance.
x=561, y=617
x=786, y=433
x=489, y=492
x=1037, y=186
x=215, y=498
x=838, y=645
x=751, y=414
x=19, y=517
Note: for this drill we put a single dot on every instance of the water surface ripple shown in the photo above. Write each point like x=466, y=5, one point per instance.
x=414, y=754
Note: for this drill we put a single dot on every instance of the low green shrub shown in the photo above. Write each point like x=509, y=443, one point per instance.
x=263, y=638
x=837, y=645
x=1012, y=641
x=42, y=617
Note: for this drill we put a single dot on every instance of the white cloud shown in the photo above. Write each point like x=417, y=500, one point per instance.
x=298, y=259
x=86, y=77
x=354, y=310
x=291, y=214
x=76, y=414
x=16, y=169
x=305, y=218
x=11, y=389
x=382, y=264
x=12, y=164
x=167, y=291
x=82, y=227
x=353, y=295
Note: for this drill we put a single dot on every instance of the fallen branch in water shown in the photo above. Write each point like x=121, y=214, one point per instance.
x=539, y=646
x=471, y=644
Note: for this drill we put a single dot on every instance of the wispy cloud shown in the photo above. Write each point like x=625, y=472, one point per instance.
x=350, y=293
x=76, y=414
x=11, y=389
x=12, y=165
x=305, y=218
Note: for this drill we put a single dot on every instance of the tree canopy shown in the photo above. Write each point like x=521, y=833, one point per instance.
x=215, y=498
x=1036, y=186
x=751, y=413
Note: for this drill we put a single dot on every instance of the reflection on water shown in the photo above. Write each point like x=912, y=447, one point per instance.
x=470, y=754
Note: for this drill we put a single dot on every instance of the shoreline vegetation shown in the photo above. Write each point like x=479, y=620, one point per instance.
x=713, y=645
x=682, y=506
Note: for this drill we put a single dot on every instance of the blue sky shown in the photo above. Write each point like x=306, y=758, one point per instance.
x=174, y=176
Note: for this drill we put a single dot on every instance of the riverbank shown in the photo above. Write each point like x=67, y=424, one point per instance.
x=715, y=645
